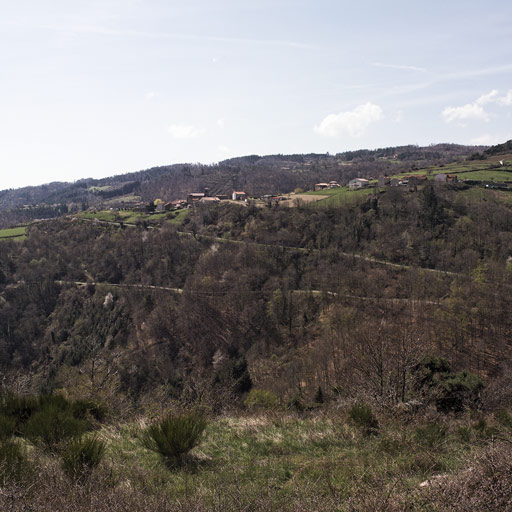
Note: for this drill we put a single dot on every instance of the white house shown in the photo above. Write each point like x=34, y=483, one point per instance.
x=358, y=183
x=238, y=196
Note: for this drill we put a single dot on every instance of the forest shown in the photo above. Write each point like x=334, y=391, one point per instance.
x=377, y=326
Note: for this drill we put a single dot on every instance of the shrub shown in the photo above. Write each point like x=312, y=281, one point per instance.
x=319, y=396
x=426, y=371
x=13, y=463
x=363, y=417
x=241, y=376
x=81, y=456
x=19, y=408
x=260, y=399
x=83, y=409
x=459, y=390
x=7, y=426
x=503, y=418
x=52, y=425
x=175, y=435
x=465, y=433
x=296, y=403
x=430, y=435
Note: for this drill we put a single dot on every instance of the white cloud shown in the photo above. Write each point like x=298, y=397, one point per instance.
x=221, y=122
x=399, y=66
x=353, y=122
x=487, y=98
x=468, y=111
x=224, y=150
x=476, y=109
x=149, y=95
x=181, y=131
x=506, y=100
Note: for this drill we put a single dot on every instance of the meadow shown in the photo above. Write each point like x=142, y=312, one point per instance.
x=279, y=459
x=18, y=233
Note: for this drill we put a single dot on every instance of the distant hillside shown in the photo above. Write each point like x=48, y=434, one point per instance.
x=499, y=149
x=255, y=174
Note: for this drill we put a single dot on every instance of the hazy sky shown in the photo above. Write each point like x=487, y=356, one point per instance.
x=101, y=87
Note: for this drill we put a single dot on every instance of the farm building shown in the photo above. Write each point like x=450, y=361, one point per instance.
x=384, y=180
x=446, y=178
x=194, y=196
x=211, y=200
x=416, y=179
x=238, y=196
x=358, y=183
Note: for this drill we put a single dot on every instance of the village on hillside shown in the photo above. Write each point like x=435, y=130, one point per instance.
x=408, y=181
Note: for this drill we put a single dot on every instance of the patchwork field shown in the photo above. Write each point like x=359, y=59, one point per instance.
x=16, y=233
x=130, y=217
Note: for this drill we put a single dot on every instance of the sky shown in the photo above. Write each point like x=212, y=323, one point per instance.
x=101, y=87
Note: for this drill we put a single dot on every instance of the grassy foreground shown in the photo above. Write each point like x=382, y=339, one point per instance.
x=292, y=461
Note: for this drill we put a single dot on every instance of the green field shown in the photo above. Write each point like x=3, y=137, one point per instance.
x=342, y=195
x=18, y=233
x=179, y=216
x=130, y=217
x=326, y=192
x=106, y=215
x=485, y=194
x=128, y=198
x=497, y=175
x=99, y=189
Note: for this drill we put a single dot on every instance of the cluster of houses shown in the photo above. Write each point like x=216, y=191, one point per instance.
x=410, y=180
x=323, y=186
x=415, y=179
x=192, y=198
x=354, y=184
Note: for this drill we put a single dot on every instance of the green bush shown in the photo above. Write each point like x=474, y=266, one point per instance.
x=52, y=426
x=363, y=417
x=430, y=435
x=428, y=368
x=260, y=399
x=7, y=426
x=503, y=418
x=175, y=435
x=19, y=408
x=81, y=456
x=459, y=390
x=13, y=463
x=84, y=409
x=296, y=403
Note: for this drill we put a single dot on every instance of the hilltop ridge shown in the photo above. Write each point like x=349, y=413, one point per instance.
x=257, y=175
